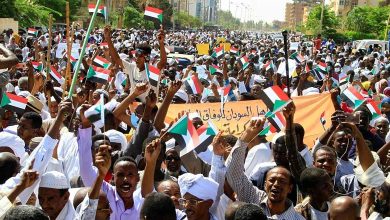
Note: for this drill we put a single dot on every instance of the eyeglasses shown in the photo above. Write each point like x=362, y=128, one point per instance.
x=188, y=202
x=169, y=158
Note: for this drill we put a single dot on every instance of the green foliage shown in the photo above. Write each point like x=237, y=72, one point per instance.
x=187, y=21
x=226, y=20
x=330, y=21
x=337, y=37
x=135, y=19
x=7, y=9
x=30, y=13
x=354, y=35
x=368, y=19
x=60, y=6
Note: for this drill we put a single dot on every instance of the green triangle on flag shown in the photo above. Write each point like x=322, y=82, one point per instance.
x=375, y=115
x=211, y=129
x=269, y=114
x=265, y=131
x=180, y=127
x=4, y=100
x=358, y=103
x=278, y=105
x=160, y=17
x=90, y=73
x=380, y=105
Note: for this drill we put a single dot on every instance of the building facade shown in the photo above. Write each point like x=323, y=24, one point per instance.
x=343, y=7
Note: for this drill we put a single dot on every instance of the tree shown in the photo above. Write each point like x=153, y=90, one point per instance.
x=187, y=21
x=7, y=9
x=226, y=19
x=60, y=6
x=135, y=19
x=330, y=21
x=30, y=13
x=366, y=19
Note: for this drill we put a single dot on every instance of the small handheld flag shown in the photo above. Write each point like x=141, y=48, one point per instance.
x=185, y=134
x=13, y=103
x=32, y=32
x=154, y=13
x=98, y=74
x=153, y=74
x=218, y=52
x=102, y=11
x=274, y=98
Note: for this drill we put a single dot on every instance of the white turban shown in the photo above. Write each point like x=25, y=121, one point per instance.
x=199, y=186
x=14, y=142
x=54, y=180
x=117, y=137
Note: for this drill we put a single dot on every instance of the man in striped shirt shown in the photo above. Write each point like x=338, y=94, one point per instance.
x=278, y=184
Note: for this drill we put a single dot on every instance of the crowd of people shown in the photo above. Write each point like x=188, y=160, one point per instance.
x=59, y=162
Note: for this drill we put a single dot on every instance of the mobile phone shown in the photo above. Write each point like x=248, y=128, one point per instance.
x=352, y=118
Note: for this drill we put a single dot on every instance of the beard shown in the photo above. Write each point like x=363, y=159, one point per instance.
x=381, y=206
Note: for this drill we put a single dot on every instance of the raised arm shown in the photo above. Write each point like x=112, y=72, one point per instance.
x=113, y=53
x=218, y=169
x=163, y=54
x=120, y=110
x=84, y=141
x=135, y=146
x=152, y=152
x=9, y=59
x=235, y=174
x=296, y=162
x=162, y=111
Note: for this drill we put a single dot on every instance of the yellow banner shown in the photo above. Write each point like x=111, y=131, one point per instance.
x=226, y=46
x=236, y=115
x=203, y=49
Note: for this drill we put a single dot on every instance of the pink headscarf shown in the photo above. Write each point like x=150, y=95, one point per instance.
x=386, y=91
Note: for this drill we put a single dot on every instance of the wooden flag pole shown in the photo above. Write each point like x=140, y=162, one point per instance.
x=48, y=57
x=68, y=50
x=77, y=68
x=286, y=58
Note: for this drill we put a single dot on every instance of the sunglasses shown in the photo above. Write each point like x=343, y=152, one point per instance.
x=170, y=158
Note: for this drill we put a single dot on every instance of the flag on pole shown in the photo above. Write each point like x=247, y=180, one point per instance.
x=154, y=13
x=244, y=62
x=185, y=134
x=374, y=109
x=101, y=62
x=98, y=74
x=153, y=74
x=96, y=113
x=343, y=80
x=234, y=50
x=354, y=98
x=270, y=65
x=193, y=85
x=38, y=66
x=224, y=92
x=297, y=57
x=102, y=11
x=274, y=98
x=319, y=76
x=321, y=67
x=218, y=52
x=56, y=75
x=32, y=32
x=206, y=134
x=277, y=121
x=13, y=103
x=214, y=69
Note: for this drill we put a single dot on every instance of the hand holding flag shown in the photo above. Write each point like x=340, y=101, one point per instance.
x=251, y=132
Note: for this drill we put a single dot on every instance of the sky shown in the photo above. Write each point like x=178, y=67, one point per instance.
x=266, y=10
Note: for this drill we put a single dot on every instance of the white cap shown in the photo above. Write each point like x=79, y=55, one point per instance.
x=9, y=87
x=181, y=94
x=117, y=137
x=54, y=180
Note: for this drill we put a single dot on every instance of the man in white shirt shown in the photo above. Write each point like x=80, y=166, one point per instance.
x=53, y=196
x=136, y=70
